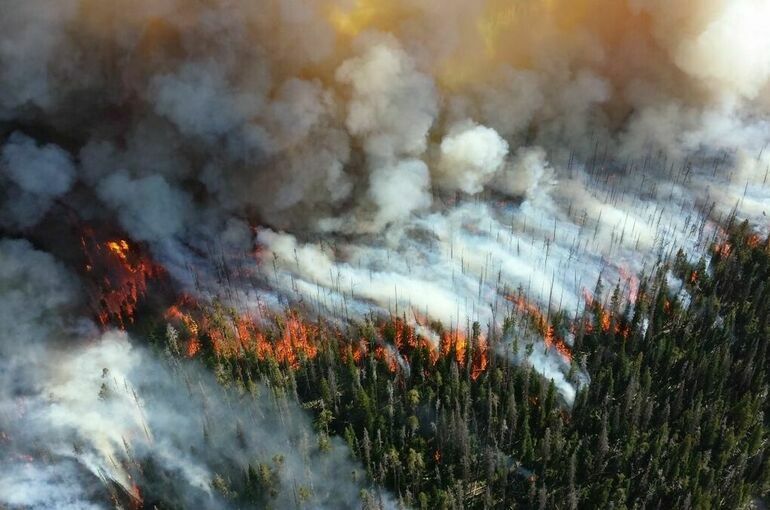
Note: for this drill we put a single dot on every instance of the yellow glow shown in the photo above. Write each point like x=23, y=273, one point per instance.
x=362, y=15
x=498, y=18
x=119, y=248
x=506, y=32
x=351, y=22
x=455, y=73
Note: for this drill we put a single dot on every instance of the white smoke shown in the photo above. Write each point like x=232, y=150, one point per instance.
x=399, y=190
x=731, y=53
x=77, y=415
x=393, y=105
x=471, y=156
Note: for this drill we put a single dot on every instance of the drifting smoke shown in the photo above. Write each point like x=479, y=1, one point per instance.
x=78, y=416
x=424, y=157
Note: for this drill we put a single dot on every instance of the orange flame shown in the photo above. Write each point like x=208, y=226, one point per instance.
x=119, y=248
x=120, y=274
x=136, y=495
x=454, y=341
x=723, y=249
x=542, y=326
x=175, y=314
x=358, y=350
x=231, y=338
x=604, y=318
x=388, y=357
x=295, y=343
x=480, y=358
x=564, y=351
x=298, y=340
x=193, y=346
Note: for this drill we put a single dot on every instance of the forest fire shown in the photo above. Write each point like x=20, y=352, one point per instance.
x=480, y=359
x=330, y=254
x=604, y=320
x=388, y=357
x=289, y=340
x=119, y=274
x=632, y=282
x=231, y=335
x=542, y=325
x=723, y=249
x=297, y=342
x=454, y=342
x=136, y=496
x=603, y=317
x=175, y=314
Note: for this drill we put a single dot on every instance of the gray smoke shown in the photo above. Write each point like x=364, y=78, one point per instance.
x=33, y=177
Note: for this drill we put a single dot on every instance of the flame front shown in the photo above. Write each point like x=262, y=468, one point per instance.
x=290, y=340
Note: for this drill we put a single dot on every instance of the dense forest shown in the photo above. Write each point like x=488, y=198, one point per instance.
x=674, y=416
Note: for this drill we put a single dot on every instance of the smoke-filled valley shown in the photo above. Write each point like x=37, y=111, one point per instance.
x=370, y=254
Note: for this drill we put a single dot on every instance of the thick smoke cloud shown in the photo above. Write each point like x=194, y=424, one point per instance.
x=151, y=210
x=393, y=105
x=731, y=51
x=291, y=124
x=34, y=177
x=471, y=156
x=422, y=156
